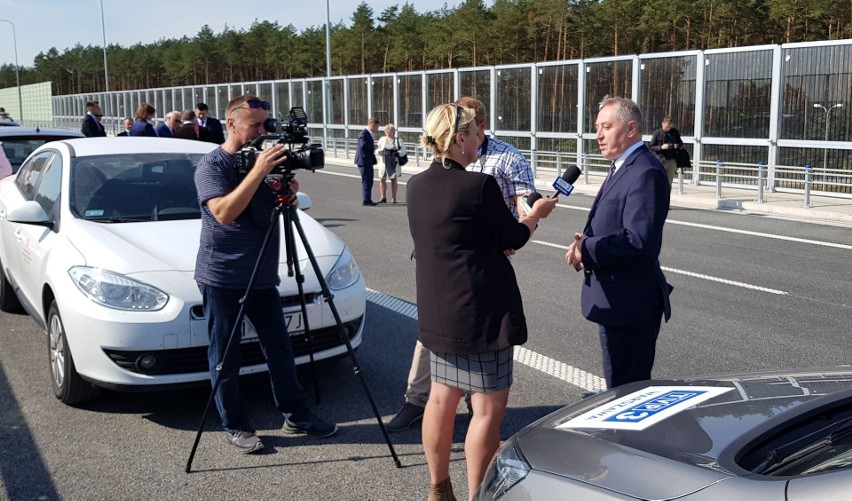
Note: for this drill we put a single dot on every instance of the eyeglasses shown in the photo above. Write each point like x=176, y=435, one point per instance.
x=253, y=104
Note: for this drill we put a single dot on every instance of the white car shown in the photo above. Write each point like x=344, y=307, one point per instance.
x=98, y=240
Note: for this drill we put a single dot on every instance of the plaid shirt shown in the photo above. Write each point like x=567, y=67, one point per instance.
x=505, y=163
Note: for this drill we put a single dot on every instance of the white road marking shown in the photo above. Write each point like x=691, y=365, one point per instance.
x=537, y=361
x=691, y=274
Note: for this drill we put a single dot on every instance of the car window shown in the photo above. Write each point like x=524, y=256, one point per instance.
x=134, y=187
x=18, y=148
x=47, y=192
x=31, y=173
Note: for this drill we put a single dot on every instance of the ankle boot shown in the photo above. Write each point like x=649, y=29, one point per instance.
x=442, y=491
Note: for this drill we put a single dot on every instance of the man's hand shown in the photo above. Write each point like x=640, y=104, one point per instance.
x=574, y=256
x=269, y=158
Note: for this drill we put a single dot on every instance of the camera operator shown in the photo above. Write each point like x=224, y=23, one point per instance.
x=235, y=217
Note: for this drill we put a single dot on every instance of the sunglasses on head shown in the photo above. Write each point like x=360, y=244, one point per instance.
x=253, y=104
x=458, y=117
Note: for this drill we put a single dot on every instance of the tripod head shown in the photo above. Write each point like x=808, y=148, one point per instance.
x=279, y=182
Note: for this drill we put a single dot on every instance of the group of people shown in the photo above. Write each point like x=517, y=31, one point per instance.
x=466, y=221
x=392, y=150
x=189, y=124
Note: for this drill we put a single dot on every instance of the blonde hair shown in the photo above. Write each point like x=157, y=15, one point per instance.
x=440, y=124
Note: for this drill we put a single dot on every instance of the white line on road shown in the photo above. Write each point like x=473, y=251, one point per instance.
x=537, y=361
x=691, y=274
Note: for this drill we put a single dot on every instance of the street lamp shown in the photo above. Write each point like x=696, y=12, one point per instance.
x=327, y=87
x=17, y=71
x=103, y=30
x=827, y=116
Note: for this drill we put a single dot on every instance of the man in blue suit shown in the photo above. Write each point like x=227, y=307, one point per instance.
x=202, y=115
x=91, y=126
x=365, y=159
x=624, y=289
x=170, y=123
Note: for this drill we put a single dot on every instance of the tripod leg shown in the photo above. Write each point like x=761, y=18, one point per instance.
x=293, y=257
x=236, y=328
x=342, y=332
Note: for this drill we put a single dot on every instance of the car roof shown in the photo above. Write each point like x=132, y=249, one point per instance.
x=6, y=132
x=95, y=146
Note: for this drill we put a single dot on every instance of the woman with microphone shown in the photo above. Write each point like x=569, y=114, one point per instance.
x=469, y=306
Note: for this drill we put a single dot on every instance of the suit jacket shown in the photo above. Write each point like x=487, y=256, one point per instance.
x=467, y=295
x=624, y=285
x=188, y=131
x=91, y=127
x=122, y=134
x=142, y=128
x=164, y=130
x=214, y=127
x=365, y=154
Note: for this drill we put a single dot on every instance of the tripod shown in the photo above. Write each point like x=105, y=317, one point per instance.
x=290, y=214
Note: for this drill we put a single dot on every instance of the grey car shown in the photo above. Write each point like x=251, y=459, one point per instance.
x=19, y=142
x=769, y=435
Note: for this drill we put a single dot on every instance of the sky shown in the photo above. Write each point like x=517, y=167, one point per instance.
x=42, y=24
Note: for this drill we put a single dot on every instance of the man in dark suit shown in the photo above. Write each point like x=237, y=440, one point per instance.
x=169, y=125
x=624, y=289
x=128, y=124
x=202, y=114
x=189, y=128
x=91, y=126
x=665, y=143
x=365, y=159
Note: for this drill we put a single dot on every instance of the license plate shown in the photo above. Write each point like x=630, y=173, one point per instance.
x=293, y=320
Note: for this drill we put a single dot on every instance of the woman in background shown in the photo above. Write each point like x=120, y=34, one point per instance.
x=469, y=306
x=391, y=149
x=142, y=121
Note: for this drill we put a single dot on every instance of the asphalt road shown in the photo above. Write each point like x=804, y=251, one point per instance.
x=750, y=293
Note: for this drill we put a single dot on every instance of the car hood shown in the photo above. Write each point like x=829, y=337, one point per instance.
x=689, y=430
x=129, y=248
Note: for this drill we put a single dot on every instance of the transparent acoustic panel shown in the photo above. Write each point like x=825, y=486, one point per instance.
x=439, y=89
x=737, y=94
x=382, y=89
x=297, y=93
x=264, y=91
x=731, y=156
x=817, y=93
x=168, y=102
x=830, y=168
x=514, y=99
x=337, y=101
x=605, y=79
x=282, y=98
x=557, y=98
x=236, y=90
x=223, y=99
x=358, y=101
x=250, y=89
x=313, y=106
x=411, y=100
x=216, y=109
x=476, y=84
x=667, y=88
x=521, y=143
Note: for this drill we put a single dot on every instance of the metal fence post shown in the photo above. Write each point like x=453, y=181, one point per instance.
x=534, y=161
x=761, y=178
x=680, y=181
x=558, y=163
x=718, y=179
x=417, y=154
x=585, y=166
x=808, y=182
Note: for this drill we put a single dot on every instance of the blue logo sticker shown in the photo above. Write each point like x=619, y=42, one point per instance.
x=654, y=406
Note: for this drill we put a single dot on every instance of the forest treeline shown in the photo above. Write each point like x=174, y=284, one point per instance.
x=471, y=34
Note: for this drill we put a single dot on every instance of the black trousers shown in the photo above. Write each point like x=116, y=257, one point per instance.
x=628, y=353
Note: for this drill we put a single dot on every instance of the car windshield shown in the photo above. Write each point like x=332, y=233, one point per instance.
x=134, y=187
x=18, y=148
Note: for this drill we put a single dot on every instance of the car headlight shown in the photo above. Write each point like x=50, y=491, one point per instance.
x=117, y=291
x=507, y=469
x=345, y=272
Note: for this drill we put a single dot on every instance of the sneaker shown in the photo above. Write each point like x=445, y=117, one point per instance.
x=408, y=415
x=244, y=441
x=314, y=427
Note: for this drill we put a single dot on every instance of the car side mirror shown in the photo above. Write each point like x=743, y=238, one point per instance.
x=304, y=200
x=30, y=212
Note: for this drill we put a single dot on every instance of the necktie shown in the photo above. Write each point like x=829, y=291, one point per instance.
x=609, y=175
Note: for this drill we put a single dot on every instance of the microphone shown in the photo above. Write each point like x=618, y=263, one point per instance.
x=563, y=185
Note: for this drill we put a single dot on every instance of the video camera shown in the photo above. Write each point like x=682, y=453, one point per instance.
x=295, y=132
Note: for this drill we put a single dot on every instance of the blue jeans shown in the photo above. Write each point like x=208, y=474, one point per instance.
x=221, y=307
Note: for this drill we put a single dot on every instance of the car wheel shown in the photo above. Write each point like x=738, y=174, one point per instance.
x=8, y=299
x=68, y=386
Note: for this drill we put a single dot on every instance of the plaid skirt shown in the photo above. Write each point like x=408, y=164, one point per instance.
x=478, y=372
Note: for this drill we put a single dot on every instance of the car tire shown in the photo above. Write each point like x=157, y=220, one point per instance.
x=8, y=300
x=67, y=385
